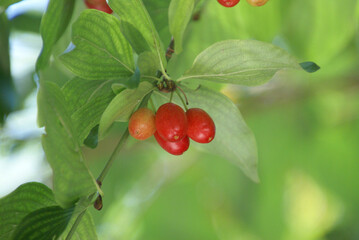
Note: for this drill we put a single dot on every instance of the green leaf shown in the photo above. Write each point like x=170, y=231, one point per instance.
x=234, y=141
x=134, y=80
x=134, y=37
x=25, y=199
x=91, y=140
x=101, y=51
x=87, y=100
x=245, y=62
x=158, y=11
x=138, y=28
x=179, y=14
x=117, y=88
x=122, y=106
x=53, y=24
x=147, y=63
x=43, y=224
x=6, y=3
x=310, y=67
x=84, y=231
x=71, y=178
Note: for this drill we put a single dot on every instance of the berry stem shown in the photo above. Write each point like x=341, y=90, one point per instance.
x=183, y=102
x=183, y=94
x=171, y=96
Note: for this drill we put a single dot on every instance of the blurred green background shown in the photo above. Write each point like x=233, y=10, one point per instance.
x=306, y=126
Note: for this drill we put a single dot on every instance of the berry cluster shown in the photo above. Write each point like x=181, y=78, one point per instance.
x=232, y=3
x=100, y=5
x=172, y=127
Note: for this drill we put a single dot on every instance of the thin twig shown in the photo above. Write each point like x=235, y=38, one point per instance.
x=180, y=97
x=183, y=94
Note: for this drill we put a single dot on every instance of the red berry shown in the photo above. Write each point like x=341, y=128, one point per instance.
x=171, y=122
x=175, y=148
x=100, y=5
x=142, y=124
x=257, y=3
x=201, y=127
x=228, y=3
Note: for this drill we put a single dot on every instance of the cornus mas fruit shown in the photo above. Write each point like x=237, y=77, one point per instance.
x=171, y=122
x=175, y=148
x=100, y=5
x=201, y=127
x=228, y=3
x=142, y=124
x=257, y=3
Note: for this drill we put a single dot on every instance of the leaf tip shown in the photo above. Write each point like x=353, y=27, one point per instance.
x=309, y=67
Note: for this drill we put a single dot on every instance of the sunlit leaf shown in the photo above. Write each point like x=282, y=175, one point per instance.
x=101, y=52
x=245, y=62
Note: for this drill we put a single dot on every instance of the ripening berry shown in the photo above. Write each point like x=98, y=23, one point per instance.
x=142, y=124
x=257, y=3
x=171, y=122
x=100, y=5
x=201, y=127
x=175, y=148
x=228, y=3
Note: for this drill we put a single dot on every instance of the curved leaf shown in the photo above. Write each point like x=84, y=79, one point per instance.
x=43, y=224
x=147, y=63
x=122, y=106
x=179, y=15
x=53, y=24
x=101, y=51
x=310, y=67
x=25, y=199
x=71, y=178
x=138, y=28
x=234, y=141
x=84, y=231
x=245, y=62
x=87, y=100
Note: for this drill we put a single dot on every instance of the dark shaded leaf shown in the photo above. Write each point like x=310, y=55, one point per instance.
x=24, y=200
x=310, y=67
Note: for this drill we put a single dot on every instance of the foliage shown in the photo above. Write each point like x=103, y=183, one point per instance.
x=116, y=64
